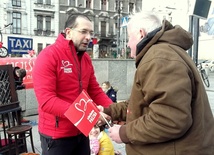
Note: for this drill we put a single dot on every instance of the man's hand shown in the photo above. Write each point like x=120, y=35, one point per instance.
x=101, y=108
x=101, y=121
x=114, y=133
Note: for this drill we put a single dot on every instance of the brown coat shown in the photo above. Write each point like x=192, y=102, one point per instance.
x=168, y=111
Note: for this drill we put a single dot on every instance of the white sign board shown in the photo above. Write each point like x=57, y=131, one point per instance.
x=96, y=51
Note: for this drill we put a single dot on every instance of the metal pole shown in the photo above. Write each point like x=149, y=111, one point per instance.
x=125, y=41
x=118, y=27
x=117, y=37
x=196, y=35
x=191, y=31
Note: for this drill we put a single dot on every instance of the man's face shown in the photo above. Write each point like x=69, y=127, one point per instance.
x=134, y=38
x=81, y=34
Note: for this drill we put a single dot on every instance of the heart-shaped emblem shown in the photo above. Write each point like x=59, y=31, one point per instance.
x=81, y=106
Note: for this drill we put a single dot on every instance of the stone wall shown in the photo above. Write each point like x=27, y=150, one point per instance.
x=120, y=73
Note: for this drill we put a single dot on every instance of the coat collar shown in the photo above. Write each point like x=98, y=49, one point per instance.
x=166, y=34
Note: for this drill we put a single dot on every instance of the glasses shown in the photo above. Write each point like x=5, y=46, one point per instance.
x=84, y=32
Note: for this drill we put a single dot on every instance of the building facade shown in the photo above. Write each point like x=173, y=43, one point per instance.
x=107, y=17
x=35, y=25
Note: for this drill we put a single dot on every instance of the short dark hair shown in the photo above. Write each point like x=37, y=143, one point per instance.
x=71, y=20
x=107, y=83
x=22, y=72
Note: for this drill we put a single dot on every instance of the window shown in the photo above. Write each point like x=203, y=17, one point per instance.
x=48, y=2
x=103, y=28
x=118, y=5
x=47, y=44
x=48, y=23
x=40, y=47
x=40, y=1
x=72, y=3
x=116, y=25
x=40, y=22
x=16, y=23
x=16, y=2
x=103, y=5
x=88, y=4
x=131, y=8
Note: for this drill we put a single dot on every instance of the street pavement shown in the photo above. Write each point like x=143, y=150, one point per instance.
x=36, y=138
x=118, y=147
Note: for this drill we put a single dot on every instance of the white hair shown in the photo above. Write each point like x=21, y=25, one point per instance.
x=144, y=20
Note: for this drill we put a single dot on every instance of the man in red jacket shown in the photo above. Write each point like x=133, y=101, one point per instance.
x=62, y=70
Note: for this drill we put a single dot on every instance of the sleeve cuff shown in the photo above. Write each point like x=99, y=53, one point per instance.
x=107, y=111
x=123, y=135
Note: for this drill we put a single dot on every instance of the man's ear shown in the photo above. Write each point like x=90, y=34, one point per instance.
x=67, y=30
x=142, y=33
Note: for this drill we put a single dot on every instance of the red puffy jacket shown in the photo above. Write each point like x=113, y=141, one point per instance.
x=59, y=75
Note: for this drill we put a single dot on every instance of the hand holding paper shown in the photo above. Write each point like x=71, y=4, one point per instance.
x=114, y=133
x=100, y=108
x=83, y=113
x=103, y=119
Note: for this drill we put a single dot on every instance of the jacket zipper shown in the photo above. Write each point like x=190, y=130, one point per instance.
x=80, y=82
x=57, y=121
x=78, y=68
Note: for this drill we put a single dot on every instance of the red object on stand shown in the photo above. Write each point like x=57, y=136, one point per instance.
x=94, y=41
x=1, y=44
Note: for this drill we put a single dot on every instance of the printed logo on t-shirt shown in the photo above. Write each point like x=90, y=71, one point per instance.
x=66, y=66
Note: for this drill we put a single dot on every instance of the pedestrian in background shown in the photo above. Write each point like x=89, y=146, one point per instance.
x=19, y=75
x=110, y=91
x=168, y=112
x=62, y=70
x=112, y=94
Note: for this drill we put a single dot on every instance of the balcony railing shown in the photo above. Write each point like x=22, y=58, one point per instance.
x=40, y=32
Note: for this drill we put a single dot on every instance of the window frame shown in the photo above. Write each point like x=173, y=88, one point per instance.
x=39, y=1
x=16, y=3
x=72, y=2
x=16, y=21
x=103, y=25
x=48, y=2
x=39, y=22
x=88, y=4
x=131, y=7
x=104, y=5
x=48, y=23
x=39, y=47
